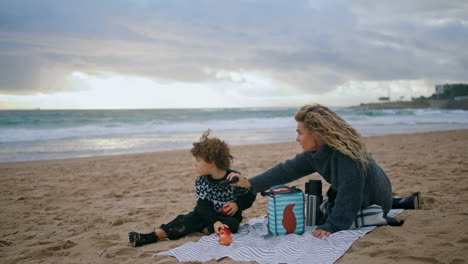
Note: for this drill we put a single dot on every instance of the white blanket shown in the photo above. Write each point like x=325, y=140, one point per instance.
x=252, y=243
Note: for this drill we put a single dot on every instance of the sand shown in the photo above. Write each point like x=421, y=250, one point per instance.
x=80, y=210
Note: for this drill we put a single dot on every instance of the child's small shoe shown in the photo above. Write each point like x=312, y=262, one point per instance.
x=138, y=239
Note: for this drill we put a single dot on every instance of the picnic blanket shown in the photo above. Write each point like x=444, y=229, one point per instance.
x=253, y=243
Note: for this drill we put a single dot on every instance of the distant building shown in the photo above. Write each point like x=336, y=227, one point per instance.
x=441, y=88
x=449, y=91
x=450, y=96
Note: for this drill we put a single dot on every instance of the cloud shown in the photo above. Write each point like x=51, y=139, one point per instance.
x=31, y=74
x=313, y=46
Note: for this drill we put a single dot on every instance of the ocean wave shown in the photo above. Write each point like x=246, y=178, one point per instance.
x=25, y=126
x=21, y=134
x=32, y=135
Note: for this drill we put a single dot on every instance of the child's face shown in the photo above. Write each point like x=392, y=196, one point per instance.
x=203, y=167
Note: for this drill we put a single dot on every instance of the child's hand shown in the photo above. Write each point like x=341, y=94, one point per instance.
x=243, y=182
x=230, y=208
x=218, y=225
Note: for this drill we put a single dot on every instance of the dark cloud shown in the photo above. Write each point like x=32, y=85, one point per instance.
x=312, y=45
x=29, y=74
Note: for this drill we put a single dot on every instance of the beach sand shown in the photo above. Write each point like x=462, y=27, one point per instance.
x=80, y=210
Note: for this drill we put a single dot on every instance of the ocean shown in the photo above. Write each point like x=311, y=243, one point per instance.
x=53, y=134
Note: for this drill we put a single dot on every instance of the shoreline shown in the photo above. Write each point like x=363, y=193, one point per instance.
x=62, y=134
x=131, y=153
x=81, y=209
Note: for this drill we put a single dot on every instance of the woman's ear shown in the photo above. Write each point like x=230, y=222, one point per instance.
x=319, y=139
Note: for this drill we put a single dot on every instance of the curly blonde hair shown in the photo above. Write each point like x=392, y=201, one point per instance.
x=334, y=131
x=213, y=149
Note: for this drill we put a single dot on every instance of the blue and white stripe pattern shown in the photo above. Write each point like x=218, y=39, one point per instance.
x=252, y=243
x=276, y=207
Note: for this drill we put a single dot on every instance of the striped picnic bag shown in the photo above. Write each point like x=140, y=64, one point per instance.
x=285, y=210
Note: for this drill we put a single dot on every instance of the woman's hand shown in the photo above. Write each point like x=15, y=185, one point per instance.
x=243, y=182
x=218, y=225
x=320, y=233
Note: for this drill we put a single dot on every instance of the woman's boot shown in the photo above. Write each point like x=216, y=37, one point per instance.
x=412, y=201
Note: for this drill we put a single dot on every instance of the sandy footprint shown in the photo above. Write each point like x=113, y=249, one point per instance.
x=457, y=261
x=104, y=244
x=4, y=243
x=62, y=245
x=58, y=249
x=105, y=241
x=416, y=259
x=122, y=220
x=122, y=251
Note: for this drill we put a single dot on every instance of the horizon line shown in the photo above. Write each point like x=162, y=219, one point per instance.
x=162, y=108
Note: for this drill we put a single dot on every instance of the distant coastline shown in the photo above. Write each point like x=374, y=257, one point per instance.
x=446, y=96
x=438, y=104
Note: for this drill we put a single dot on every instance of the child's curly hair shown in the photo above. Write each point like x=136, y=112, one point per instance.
x=213, y=149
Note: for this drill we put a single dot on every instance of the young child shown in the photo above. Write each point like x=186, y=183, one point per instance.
x=213, y=160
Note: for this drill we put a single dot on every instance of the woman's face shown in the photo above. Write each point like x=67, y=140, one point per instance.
x=308, y=141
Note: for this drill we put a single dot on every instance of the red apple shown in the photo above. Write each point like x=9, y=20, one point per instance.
x=225, y=237
x=224, y=210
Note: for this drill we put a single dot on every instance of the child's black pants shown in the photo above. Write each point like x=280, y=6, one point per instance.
x=192, y=222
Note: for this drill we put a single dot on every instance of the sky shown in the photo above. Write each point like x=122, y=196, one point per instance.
x=90, y=54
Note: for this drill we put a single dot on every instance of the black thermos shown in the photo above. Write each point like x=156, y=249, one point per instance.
x=313, y=190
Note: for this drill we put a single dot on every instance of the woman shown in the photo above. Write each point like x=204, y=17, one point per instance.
x=337, y=152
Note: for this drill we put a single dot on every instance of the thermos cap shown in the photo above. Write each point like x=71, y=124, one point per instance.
x=314, y=187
